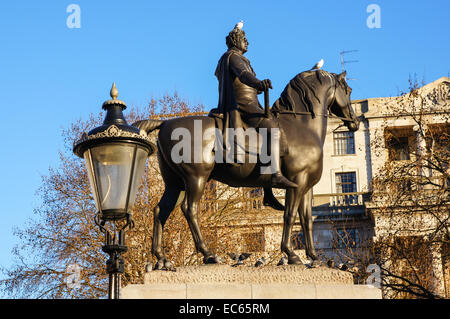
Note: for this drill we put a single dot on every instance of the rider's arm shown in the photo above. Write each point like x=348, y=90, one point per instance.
x=243, y=72
x=246, y=75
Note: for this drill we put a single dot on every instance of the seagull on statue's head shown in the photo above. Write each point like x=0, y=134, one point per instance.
x=239, y=25
x=318, y=65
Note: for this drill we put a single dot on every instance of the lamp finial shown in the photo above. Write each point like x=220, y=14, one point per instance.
x=114, y=92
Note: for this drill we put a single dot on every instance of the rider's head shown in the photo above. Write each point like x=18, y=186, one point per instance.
x=237, y=39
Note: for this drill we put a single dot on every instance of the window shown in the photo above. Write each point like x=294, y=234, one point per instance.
x=405, y=185
x=346, y=182
x=400, y=141
x=344, y=143
x=399, y=149
x=438, y=136
x=256, y=201
x=256, y=204
x=347, y=238
x=256, y=192
x=439, y=147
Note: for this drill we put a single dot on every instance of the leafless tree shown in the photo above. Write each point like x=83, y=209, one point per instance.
x=63, y=233
x=411, y=194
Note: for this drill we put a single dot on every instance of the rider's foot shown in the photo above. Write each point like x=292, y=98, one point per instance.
x=279, y=181
x=271, y=201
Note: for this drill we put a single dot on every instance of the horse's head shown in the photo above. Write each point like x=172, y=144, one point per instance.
x=341, y=103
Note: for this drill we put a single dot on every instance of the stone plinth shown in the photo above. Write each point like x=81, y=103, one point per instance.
x=224, y=274
x=268, y=282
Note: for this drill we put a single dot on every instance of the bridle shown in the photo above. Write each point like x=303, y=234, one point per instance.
x=329, y=115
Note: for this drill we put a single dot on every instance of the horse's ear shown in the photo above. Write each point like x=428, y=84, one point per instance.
x=342, y=76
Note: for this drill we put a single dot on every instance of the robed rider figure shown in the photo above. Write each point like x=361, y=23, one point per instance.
x=238, y=102
x=238, y=95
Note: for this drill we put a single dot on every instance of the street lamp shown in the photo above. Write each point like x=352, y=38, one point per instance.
x=115, y=155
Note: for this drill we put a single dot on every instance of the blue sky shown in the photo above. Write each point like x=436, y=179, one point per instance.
x=51, y=75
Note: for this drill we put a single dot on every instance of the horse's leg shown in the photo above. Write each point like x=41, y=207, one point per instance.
x=194, y=192
x=293, y=197
x=305, y=214
x=171, y=198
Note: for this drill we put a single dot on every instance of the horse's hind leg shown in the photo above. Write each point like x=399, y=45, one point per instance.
x=305, y=213
x=194, y=191
x=171, y=198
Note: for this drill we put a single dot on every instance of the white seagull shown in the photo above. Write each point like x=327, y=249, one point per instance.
x=318, y=65
x=239, y=25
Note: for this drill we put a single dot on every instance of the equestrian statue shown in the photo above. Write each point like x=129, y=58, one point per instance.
x=296, y=125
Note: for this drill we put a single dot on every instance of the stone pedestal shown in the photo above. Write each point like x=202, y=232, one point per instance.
x=243, y=282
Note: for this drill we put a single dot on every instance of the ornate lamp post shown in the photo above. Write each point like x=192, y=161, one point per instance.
x=115, y=155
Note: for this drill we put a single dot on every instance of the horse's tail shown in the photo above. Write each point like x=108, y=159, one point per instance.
x=148, y=125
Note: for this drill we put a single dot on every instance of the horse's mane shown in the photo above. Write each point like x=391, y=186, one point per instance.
x=302, y=88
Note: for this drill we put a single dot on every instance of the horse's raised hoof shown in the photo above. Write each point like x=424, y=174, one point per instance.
x=274, y=203
x=164, y=264
x=294, y=260
x=271, y=201
x=212, y=259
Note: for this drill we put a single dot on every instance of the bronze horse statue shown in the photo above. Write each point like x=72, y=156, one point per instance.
x=302, y=111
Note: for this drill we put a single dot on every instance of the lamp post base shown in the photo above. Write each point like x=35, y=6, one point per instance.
x=114, y=267
x=114, y=247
